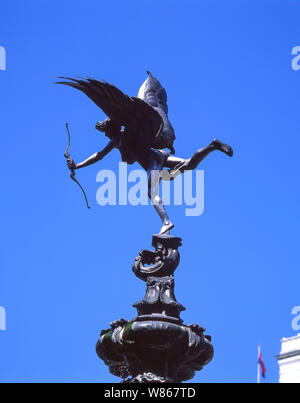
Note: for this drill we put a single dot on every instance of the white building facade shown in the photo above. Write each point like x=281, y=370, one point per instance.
x=289, y=360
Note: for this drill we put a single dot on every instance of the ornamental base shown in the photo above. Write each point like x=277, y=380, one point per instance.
x=156, y=347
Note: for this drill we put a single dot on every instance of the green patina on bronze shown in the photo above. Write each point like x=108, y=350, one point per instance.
x=127, y=332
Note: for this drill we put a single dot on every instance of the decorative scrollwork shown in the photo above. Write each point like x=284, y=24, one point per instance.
x=159, y=263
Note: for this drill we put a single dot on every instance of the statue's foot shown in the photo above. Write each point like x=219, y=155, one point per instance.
x=167, y=227
x=225, y=148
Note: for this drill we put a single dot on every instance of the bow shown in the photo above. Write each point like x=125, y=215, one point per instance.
x=72, y=176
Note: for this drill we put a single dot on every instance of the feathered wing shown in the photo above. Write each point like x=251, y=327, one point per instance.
x=154, y=94
x=133, y=113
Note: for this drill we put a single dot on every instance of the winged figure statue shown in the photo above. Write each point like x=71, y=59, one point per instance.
x=140, y=129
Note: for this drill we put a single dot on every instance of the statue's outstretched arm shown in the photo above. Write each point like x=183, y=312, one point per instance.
x=95, y=157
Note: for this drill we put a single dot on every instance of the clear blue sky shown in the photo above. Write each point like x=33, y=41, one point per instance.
x=66, y=271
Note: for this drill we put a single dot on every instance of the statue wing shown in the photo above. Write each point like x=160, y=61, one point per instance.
x=154, y=94
x=127, y=111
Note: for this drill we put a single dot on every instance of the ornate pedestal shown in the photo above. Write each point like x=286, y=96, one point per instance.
x=156, y=347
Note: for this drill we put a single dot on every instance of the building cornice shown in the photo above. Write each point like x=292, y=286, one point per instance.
x=288, y=355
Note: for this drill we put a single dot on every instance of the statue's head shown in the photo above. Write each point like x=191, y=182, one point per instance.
x=109, y=127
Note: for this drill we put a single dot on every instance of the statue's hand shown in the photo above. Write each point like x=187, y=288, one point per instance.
x=71, y=164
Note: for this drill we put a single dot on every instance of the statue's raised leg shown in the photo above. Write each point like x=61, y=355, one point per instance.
x=178, y=165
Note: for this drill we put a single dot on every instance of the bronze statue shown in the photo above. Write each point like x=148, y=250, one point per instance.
x=140, y=129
